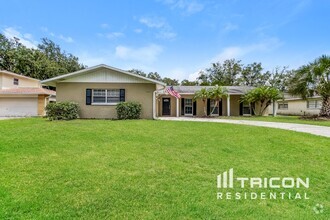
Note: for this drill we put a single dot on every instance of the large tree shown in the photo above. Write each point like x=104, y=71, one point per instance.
x=170, y=82
x=279, y=78
x=186, y=82
x=314, y=79
x=138, y=72
x=46, y=61
x=252, y=75
x=226, y=73
x=155, y=76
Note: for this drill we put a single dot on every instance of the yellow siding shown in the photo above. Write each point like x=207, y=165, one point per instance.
x=42, y=104
x=296, y=107
x=76, y=92
x=7, y=82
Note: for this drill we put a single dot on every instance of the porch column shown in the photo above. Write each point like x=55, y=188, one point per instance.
x=228, y=105
x=274, y=108
x=177, y=107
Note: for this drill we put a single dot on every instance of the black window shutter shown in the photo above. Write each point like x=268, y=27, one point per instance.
x=253, y=104
x=88, y=96
x=194, y=108
x=182, y=106
x=220, y=107
x=208, y=106
x=241, y=108
x=122, y=95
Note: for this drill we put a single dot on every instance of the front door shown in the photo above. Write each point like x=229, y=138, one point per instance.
x=166, y=106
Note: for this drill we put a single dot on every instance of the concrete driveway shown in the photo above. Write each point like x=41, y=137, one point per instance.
x=311, y=129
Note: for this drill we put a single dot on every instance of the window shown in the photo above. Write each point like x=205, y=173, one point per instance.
x=283, y=106
x=15, y=81
x=313, y=104
x=214, y=106
x=188, y=107
x=246, y=108
x=106, y=96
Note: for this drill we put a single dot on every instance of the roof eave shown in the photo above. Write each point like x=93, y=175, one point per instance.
x=55, y=79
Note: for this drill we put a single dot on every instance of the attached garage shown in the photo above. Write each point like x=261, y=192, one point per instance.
x=18, y=106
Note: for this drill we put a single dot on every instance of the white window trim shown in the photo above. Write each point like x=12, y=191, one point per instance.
x=106, y=98
x=192, y=108
x=313, y=108
x=283, y=103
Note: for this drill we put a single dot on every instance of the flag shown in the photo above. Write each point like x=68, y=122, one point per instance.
x=172, y=92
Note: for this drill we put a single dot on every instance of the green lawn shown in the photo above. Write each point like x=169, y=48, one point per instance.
x=148, y=169
x=280, y=118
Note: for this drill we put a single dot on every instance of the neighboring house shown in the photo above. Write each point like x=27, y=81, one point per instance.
x=187, y=106
x=22, y=96
x=99, y=89
x=295, y=105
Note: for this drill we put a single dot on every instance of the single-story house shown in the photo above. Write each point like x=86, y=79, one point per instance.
x=98, y=89
x=295, y=105
x=22, y=96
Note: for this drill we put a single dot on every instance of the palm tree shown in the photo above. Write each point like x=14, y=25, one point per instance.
x=203, y=95
x=263, y=97
x=314, y=79
x=216, y=93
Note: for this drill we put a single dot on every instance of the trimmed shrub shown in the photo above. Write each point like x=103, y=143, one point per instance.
x=62, y=111
x=128, y=110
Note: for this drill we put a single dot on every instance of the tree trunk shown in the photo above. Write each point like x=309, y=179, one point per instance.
x=204, y=108
x=216, y=105
x=325, y=109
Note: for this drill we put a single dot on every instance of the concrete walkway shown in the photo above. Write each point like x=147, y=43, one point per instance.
x=311, y=129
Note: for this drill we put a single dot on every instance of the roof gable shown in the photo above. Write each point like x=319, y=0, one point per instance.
x=104, y=75
x=101, y=74
x=17, y=75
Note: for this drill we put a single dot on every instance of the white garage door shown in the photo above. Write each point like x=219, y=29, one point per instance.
x=18, y=107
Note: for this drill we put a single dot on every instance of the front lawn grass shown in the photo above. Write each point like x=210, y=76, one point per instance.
x=146, y=169
x=282, y=118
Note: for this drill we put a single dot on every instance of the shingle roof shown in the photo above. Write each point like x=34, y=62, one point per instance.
x=232, y=90
x=27, y=91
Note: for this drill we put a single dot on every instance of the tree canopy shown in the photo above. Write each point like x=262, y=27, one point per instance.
x=313, y=79
x=46, y=61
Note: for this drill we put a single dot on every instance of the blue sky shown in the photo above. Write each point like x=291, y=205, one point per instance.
x=176, y=38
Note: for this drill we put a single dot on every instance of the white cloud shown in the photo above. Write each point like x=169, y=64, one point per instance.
x=177, y=73
x=153, y=22
x=230, y=27
x=147, y=54
x=189, y=7
x=91, y=60
x=26, y=39
x=193, y=76
x=114, y=35
x=66, y=39
x=138, y=30
x=238, y=52
x=164, y=29
x=104, y=25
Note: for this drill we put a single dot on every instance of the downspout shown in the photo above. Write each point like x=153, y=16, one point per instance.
x=154, y=116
